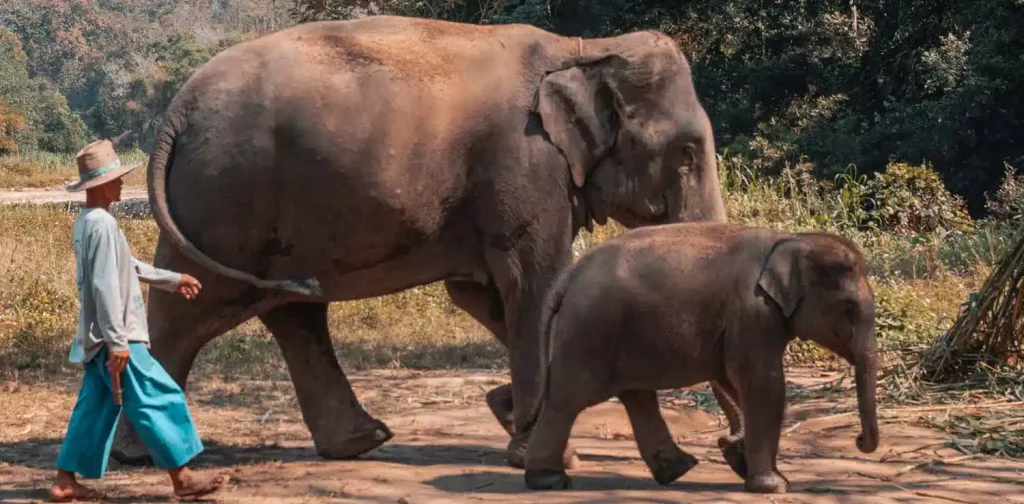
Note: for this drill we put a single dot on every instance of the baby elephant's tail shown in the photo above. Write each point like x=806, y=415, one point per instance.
x=552, y=304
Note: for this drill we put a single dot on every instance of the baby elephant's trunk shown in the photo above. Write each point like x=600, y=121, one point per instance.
x=865, y=368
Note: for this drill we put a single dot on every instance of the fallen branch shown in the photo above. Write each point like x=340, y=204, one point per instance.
x=990, y=405
x=922, y=409
x=888, y=457
x=937, y=496
x=932, y=462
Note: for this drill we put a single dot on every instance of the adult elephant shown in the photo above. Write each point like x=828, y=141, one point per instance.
x=341, y=160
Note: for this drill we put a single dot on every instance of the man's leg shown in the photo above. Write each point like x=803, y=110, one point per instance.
x=156, y=407
x=90, y=431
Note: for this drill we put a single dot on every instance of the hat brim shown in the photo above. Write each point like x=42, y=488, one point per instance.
x=102, y=179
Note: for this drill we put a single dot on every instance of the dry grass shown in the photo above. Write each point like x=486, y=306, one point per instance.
x=50, y=170
x=38, y=306
x=38, y=309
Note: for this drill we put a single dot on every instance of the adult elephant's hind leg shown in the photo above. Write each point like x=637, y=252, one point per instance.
x=339, y=425
x=179, y=328
x=483, y=303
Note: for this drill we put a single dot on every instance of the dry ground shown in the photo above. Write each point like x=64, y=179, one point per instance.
x=448, y=448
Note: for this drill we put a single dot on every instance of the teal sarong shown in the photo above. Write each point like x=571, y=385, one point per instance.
x=153, y=403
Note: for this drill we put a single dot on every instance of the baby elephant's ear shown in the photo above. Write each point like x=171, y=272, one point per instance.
x=782, y=275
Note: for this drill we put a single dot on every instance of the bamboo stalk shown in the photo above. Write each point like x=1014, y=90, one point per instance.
x=991, y=328
x=116, y=381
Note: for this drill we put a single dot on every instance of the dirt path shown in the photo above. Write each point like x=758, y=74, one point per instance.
x=59, y=195
x=448, y=448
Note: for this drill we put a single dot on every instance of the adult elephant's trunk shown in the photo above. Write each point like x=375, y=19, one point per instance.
x=702, y=202
x=712, y=186
x=865, y=369
x=159, y=161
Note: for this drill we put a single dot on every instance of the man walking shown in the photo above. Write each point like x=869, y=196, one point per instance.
x=112, y=337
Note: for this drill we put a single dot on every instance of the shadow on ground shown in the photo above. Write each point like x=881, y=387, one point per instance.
x=41, y=454
x=505, y=483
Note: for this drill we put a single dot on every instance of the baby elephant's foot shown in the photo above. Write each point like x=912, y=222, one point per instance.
x=735, y=453
x=546, y=479
x=772, y=482
x=670, y=467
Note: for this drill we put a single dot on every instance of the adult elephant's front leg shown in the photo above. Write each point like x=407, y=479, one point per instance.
x=484, y=304
x=340, y=426
x=523, y=280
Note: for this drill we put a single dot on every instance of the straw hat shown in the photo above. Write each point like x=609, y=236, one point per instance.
x=97, y=165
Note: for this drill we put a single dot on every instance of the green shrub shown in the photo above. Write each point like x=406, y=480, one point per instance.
x=1008, y=201
x=908, y=199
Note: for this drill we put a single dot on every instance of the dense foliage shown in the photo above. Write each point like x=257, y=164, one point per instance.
x=116, y=63
x=33, y=114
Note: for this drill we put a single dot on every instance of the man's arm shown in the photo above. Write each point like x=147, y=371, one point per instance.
x=101, y=262
x=160, y=278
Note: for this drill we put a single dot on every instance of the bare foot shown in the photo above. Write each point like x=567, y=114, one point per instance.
x=67, y=489
x=186, y=486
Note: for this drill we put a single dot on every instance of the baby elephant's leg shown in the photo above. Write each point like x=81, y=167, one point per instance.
x=499, y=400
x=763, y=395
x=545, y=466
x=732, y=446
x=666, y=461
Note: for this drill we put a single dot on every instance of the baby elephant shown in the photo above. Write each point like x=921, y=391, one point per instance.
x=675, y=305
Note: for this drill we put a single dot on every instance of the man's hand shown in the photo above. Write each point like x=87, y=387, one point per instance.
x=189, y=286
x=117, y=361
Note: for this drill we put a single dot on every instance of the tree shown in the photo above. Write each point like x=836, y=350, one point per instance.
x=34, y=114
x=136, y=88
x=12, y=124
x=58, y=128
x=62, y=39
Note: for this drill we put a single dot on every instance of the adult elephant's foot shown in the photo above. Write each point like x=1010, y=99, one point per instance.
x=545, y=479
x=363, y=437
x=515, y=454
x=668, y=467
x=499, y=400
x=735, y=453
x=127, y=448
x=772, y=482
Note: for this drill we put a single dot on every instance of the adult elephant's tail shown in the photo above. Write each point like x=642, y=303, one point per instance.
x=159, y=162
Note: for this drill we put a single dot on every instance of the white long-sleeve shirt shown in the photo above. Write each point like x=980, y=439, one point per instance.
x=111, y=307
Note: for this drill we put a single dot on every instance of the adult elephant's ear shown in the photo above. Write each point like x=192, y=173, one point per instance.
x=782, y=275
x=578, y=108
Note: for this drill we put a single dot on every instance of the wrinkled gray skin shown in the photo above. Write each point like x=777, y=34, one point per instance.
x=343, y=160
x=675, y=305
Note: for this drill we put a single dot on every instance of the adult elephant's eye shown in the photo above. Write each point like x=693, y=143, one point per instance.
x=851, y=309
x=685, y=159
